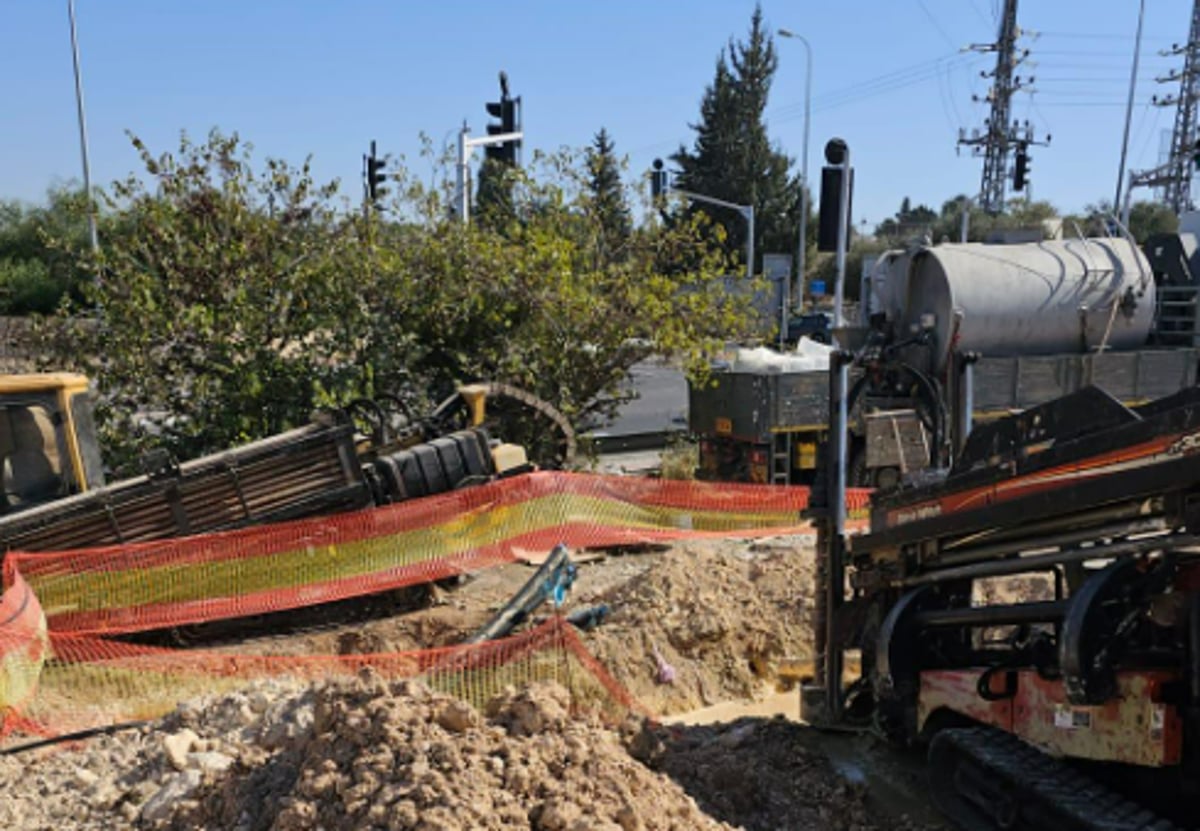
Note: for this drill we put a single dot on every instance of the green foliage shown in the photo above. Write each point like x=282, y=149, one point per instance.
x=228, y=309
x=28, y=286
x=40, y=252
x=908, y=223
x=606, y=204
x=1145, y=219
x=733, y=159
x=679, y=459
x=1149, y=218
x=241, y=297
x=494, y=205
x=947, y=225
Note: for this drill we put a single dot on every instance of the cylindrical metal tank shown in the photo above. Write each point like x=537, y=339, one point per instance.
x=889, y=283
x=1031, y=299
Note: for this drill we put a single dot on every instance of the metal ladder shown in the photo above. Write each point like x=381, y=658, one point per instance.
x=781, y=459
x=1178, y=323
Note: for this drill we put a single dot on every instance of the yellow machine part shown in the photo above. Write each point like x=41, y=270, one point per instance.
x=65, y=387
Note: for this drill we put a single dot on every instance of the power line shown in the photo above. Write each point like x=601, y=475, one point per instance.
x=982, y=15
x=903, y=75
x=1058, y=104
x=846, y=95
x=1102, y=36
x=937, y=25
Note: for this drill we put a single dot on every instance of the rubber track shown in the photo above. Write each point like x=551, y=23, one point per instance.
x=1081, y=802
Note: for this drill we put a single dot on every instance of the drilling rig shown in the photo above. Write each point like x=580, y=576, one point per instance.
x=1027, y=605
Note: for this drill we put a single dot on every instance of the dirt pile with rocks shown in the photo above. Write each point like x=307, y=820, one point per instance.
x=710, y=622
x=358, y=754
x=763, y=775
x=396, y=755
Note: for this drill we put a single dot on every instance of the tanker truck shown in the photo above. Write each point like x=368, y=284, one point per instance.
x=954, y=335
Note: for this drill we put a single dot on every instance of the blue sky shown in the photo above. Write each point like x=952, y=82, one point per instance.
x=299, y=78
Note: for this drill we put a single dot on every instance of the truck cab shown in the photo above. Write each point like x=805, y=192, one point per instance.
x=48, y=445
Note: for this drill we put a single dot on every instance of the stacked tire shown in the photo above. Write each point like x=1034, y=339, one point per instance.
x=444, y=464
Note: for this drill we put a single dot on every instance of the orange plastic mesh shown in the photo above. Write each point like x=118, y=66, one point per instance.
x=70, y=676
x=23, y=645
x=266, y=569
x=93, y=682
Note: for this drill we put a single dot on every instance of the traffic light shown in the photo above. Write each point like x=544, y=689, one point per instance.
x=830, y=211
x=375, y=176
x=658, y=180
x=1021, y=167
x=506, y=110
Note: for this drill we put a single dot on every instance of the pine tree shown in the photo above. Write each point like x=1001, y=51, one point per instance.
x=494, y=205
x=733, y=159
x=606, y=196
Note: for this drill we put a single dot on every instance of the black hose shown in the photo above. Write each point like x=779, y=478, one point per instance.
x=537, y=589
x=70, y=737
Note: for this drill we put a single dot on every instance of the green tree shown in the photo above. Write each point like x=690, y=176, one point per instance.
x=229, y=310
x=907, y=223
x=35, y=275
x=494, y=205
x=1018, y=214
x=607, y=206
x=242, y=297
x=1145, y=219
x=732, y=158
x=542, y=305
x=1149, y=218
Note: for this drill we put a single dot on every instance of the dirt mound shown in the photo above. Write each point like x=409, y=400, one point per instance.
x=134, y=777
x=396, y=755
x=366, y=753
x=709, y=622
x=761, y=776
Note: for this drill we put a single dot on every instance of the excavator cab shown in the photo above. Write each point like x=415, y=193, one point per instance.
x=48, y=445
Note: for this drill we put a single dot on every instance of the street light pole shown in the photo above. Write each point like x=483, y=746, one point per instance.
x=83, y=145
x=747, y=212
x=1137, y=51
x=803, y=247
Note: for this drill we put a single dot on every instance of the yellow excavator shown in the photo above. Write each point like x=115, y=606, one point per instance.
x=47, y=439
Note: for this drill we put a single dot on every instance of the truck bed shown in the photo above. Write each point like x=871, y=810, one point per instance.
x=752, y=405
x=1017, y=383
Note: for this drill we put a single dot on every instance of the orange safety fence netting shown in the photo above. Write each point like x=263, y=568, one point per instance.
x=58, y=672
x=23, y=645
x=93, y=682
x=265, y=569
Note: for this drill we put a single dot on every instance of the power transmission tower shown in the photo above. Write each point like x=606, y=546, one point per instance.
x=1000, y=134
x=1174, y=176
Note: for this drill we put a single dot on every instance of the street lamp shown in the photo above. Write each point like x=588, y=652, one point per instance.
x=786, y=33
x=83, y=146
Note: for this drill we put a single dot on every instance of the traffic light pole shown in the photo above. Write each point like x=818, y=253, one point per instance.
x=466, y=145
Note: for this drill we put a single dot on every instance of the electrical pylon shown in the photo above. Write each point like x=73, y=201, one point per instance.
x=1174, y=176
x=1000, y=133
